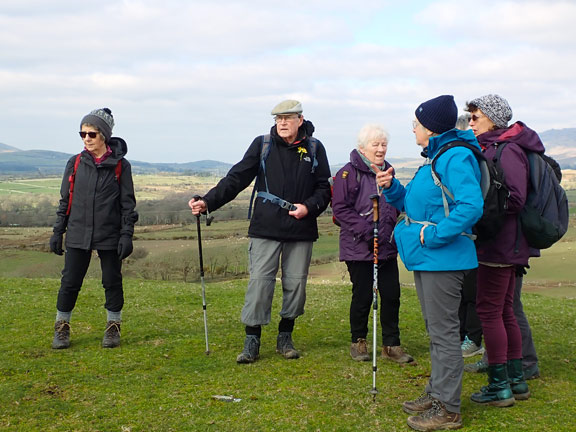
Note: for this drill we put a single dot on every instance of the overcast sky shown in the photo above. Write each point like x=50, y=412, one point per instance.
x=191, y=80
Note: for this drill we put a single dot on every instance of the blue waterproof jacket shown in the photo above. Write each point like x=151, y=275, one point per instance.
x=445, y=248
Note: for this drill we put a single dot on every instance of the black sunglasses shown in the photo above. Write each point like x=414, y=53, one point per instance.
x=90, y=134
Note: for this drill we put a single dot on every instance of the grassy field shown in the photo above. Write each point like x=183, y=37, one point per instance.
x=161, y=380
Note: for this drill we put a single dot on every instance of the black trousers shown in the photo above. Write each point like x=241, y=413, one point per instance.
x=362, y=276
x=470, y=324
x=76, y=265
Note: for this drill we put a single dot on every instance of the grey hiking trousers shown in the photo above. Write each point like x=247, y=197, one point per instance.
x=439, y=294
x=265, y=257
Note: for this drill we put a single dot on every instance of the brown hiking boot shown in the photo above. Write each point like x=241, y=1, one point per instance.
x=397, y=354
x=61, y=335
x=359, y=350
x=418, y=406
x=111, y=335
x=436, y=418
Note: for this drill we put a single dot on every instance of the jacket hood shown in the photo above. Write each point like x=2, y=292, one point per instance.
x=118, y=147
x=518, y=133
x=437, y=142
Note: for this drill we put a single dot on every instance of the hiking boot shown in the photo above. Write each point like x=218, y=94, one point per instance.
x=479, y=367
x=285, y=346
x=531, y=372
x=111, y=335
x=497, y=392
x=418, y=406
x=251, y=351
x=516, y=379
x=470, y=349
x=61, y=335
x=397, y=354
x=359, y=350
x=436, y=418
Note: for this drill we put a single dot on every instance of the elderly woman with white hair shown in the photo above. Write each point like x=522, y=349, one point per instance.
x=352, y=207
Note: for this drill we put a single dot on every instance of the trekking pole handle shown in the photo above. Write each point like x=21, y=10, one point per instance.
x=209, y=218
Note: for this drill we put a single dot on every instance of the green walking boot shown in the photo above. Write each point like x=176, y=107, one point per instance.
x=497, y=392
x=518, y=384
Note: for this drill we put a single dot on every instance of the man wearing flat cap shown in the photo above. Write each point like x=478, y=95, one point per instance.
x=291, y=171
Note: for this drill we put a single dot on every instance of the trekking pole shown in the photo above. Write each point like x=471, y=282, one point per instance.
x=375, y=216
x=208, y=222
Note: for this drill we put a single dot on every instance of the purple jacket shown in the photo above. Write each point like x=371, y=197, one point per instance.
x=352, y=207
x=509, y=246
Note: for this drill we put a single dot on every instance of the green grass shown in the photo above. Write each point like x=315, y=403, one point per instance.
x=161, y=380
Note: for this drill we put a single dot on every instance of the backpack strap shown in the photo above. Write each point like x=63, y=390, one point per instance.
x=118, y=171
x=266, y=195
x=71, y=180
x=484, y=182
x=313, y=146
x=485, y=173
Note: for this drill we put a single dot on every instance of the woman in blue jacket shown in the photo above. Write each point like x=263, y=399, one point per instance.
x=352, y=206
x=439, y=249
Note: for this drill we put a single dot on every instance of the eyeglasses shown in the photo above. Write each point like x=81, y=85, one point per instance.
x=90, y=134
x=414, y=124
x=475, y=117
x=290, y=117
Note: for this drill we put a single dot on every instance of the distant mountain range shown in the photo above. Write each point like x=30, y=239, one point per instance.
x=43, y=163
x=560, y=144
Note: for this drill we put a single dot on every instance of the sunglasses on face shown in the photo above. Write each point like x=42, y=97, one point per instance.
x=90, y=134
x=475, y=117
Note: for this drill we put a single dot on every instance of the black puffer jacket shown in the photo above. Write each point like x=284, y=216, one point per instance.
x=290, y=177
x=103, y=209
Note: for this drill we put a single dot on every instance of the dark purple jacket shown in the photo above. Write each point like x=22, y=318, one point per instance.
x=509, y=246
x=352, y=207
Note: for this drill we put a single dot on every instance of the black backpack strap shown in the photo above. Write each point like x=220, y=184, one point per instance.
x=313, y=147
x=264, y=151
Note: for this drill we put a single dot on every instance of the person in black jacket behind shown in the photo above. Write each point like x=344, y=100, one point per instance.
x=293, y=190
x=99, y=214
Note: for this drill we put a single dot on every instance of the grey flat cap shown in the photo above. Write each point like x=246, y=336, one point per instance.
x=287, y=107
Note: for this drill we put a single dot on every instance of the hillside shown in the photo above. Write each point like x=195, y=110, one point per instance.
x=560, y=143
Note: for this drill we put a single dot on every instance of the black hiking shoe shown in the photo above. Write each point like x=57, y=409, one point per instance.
x=285, y=346
x=61, y=335
x=111, y=335
x=251, y=351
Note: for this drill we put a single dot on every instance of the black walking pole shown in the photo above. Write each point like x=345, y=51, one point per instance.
x=208, y=222
x=375, y=216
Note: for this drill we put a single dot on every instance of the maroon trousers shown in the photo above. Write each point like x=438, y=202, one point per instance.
x=494, y=306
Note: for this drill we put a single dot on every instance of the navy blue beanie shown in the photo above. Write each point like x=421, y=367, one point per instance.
x=438, y=115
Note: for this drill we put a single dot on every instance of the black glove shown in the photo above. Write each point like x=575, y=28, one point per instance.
x=521, y=270
x=125, y=247
x=56, y=244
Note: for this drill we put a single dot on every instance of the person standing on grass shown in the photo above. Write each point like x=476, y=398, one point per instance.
x=293, y=190
x=352, y=208
x=439, y=248
x=501, y=257
x=96, y=213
